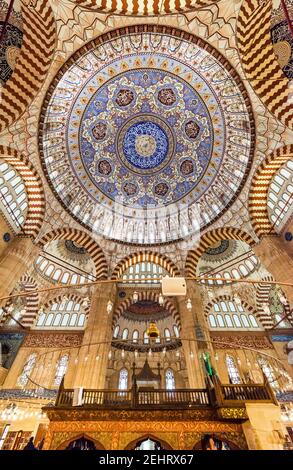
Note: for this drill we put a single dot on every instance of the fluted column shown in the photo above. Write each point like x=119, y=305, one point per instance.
x=273, y=255
x=4, y=228
x=17, y=258
x=93, y=357
x=190, y=345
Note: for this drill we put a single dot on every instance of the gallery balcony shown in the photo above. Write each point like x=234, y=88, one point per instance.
x=215, y=397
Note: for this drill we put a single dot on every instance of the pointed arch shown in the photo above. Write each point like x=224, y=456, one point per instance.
x=260, y=184
x=259, y=60
x=146, y=8
x=39, y=40
x=34, y=189
x=262, y=297
x=71, y=296
x=147, y=256
x=29, y=285
x=209, y=239
x=147, y=295
x=261, y=317
x=32, y=300
x=87, y=436
x=131, y=445
x=83, y=239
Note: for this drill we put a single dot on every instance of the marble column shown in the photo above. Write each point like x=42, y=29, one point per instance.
x=4, y=228
x=272, y=254
x=16, y=260
x=93, y=356
x=190, y=323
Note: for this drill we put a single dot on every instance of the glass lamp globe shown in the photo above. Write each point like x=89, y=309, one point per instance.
x=189, y=304
x=109, y=306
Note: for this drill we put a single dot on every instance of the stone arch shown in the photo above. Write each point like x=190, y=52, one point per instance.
x=134, y=442
x=146, y=295
x=260, y=187
x=147, y=256
x=33, y=186
x=32, y=300
x=229, y=298
x=259, y=60
x=65, y=443
x=84, y=240
x=29, y=285
x=210, y=238
x=262, y=296
x=39, y=39
x=147, y=8
x=70, y=296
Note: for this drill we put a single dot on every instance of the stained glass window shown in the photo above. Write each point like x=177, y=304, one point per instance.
x=232, y=370
x=170, y=380
x=61, y=369
x=123, y=379
x=27, y=370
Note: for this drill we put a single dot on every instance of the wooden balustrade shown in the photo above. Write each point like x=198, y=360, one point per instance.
x=166, y=398
x=132, y=398
x=221, y=394
x=239, y=392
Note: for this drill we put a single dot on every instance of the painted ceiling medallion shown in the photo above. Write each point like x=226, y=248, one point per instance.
x=141, y=123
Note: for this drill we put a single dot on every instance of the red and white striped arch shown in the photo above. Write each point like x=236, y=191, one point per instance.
x=33, y=186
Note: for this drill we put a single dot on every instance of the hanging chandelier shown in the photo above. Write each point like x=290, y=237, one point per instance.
x=153, y=331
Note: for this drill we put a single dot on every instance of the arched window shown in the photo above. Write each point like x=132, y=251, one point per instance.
x=116, y=331
x=280, y=201
x=57, y=274
x=13, y=197
x=145, y=338
x=123, y=379
x=81, y=320
x=62, y=314
x=176, y=331
x=135, y=336
x=167, y=334
x=145, y=271
x=220, y=321
x=54, y=273
x=212, y=321
x=253, y=321
x=170, y=380
x=148, y=444
x=27, y=370
x=232, y=370
x=125, y=333
x=268, y=371
x=226, y=315
x=61, y=369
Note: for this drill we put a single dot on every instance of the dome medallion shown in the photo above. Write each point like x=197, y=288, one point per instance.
x=144, y=133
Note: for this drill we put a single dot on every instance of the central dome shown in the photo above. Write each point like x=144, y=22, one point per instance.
x=145, y=143
x=146, y=130
x=146, y=134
